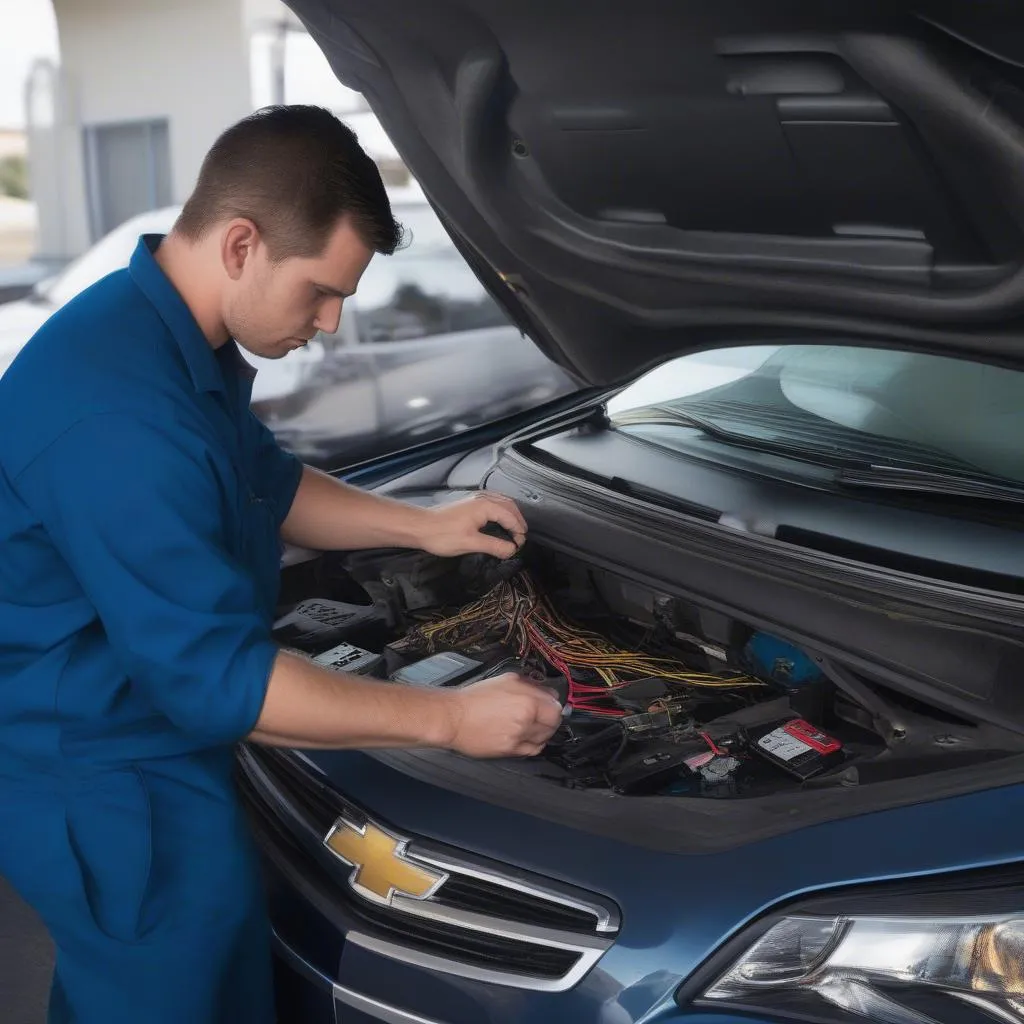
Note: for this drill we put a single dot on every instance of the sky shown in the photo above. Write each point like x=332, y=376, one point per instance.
x=29, y=30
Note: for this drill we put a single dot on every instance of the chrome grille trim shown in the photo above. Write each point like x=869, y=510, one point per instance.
x=588, y=948
x=607, y=920
x=432, y=962
x=530, y=933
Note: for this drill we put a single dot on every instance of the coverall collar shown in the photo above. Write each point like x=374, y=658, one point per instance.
x=200, y=357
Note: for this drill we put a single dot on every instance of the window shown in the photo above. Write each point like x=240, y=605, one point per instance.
x=840, y=406
x=435, y=355
x=423, y=291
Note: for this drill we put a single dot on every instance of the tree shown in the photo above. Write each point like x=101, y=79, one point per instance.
x=14, y=177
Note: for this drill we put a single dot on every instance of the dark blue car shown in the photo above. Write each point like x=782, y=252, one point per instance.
x=775, y=569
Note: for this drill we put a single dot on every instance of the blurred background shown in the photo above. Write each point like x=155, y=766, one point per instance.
x=107, y=108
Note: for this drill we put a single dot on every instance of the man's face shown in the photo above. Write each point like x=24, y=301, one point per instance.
x=275, y=308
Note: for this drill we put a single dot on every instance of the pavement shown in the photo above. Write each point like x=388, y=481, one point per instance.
x=26, y=961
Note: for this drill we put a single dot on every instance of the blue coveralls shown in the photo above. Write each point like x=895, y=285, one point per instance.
x=140, y=506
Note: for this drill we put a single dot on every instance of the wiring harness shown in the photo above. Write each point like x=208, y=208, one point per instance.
x=518, y=615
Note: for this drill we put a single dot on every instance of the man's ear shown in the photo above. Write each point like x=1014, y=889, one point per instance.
x=239, y=240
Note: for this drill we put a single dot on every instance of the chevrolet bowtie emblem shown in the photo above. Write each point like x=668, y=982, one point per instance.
x=380, y=869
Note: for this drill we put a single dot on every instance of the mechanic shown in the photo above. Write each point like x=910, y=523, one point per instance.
x=142, y=509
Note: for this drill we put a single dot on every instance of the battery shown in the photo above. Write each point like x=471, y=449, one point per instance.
x=348, y=658
x=445, y=669
x=797, y=747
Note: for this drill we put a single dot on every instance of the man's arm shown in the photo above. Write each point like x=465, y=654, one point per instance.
x=133, y=513
x=308, y=706
x=328, y=515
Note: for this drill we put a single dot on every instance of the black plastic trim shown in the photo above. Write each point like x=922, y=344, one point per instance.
x=873, y=620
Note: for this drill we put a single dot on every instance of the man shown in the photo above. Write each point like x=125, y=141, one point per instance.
x=142, y=507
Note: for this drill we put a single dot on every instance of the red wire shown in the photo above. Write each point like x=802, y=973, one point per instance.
x=715, y=749
x=580, y=694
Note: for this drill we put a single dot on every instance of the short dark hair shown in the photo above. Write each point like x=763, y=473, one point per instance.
x=295, y=172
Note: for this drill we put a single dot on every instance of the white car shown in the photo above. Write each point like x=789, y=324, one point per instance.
x=422, y=351
x=20, y=319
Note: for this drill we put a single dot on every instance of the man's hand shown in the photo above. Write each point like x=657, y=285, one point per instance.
x=455, y=529
x=328, y=515
x=503, y=717
x=308, y=706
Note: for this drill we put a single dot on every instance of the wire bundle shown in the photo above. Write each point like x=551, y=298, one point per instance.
x=517, y=614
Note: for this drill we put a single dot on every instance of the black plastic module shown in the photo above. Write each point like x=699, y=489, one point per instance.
x=316, y=624
x=653, y=766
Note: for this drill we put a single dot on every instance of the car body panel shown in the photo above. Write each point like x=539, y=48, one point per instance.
x=636, y=179
x=676, y=909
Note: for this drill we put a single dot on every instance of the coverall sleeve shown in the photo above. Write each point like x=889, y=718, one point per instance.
x=141, y=519
x=280, y=471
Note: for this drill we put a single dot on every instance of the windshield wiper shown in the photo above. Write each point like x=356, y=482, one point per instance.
x=662, y=415
x=850, y=470
x=921, y=481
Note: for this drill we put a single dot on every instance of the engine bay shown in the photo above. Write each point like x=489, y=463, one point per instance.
x=660, y=697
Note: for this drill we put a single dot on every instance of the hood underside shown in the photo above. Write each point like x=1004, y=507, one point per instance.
x=640, y=180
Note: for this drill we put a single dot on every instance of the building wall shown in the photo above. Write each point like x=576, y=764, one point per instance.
x=201, y=64
x=125, y=60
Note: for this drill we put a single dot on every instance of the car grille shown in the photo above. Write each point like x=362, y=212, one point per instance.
x=486, y=921
x=484, y=898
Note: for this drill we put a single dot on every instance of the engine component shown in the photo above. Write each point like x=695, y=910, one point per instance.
x=774, y=659
x=445, y=669
x=654, y=766
x=315, y=624
x=639, y=694
x=593, y=665
x=669, y=718
x=588, y=742
x=640, y=718
x=345, y=657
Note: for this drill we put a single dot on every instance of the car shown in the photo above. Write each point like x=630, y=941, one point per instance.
x=774, y=569
x=393, y=374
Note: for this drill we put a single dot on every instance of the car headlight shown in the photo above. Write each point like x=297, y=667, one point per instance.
x=909, y=970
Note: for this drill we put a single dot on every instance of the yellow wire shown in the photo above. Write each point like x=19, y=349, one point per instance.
x=514, y=605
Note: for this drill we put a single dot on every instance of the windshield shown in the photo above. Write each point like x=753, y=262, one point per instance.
x=839, y=404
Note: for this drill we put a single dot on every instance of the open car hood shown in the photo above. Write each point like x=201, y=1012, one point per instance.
x=640, y=180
